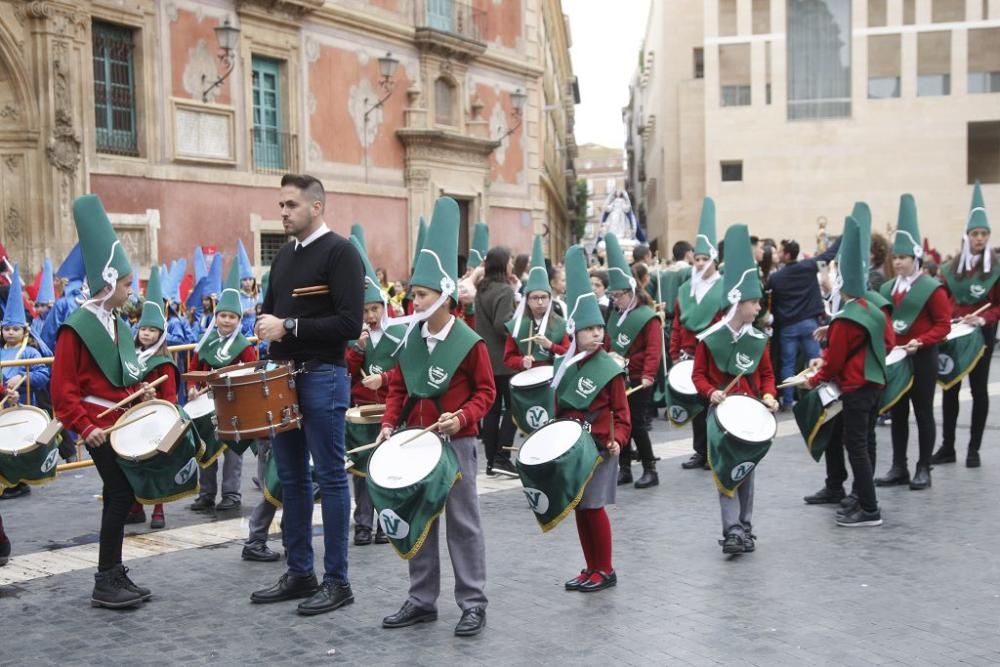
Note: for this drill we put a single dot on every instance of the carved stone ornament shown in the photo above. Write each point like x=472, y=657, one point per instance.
x=63, y=21
x=13, y=224
x=64, y=146
x=9, y=112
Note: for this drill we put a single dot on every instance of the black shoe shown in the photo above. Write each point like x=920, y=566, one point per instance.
x=380, y=536
x=330, y=596
x=362, y=536
x=472, y=622
x=604, y=580
x=4, y=550
x=16, y=491
x=489, y=470
x=228, y=504
x=825, y=496
x=502, y=464
x=408, y=615
x=577, y=581
x=749, y=546
x=649, y=478
x=696, y=461
x=896, y=476
x=143, y=592
x=853, y=504
x=624, y=476
x=158, y=521
x=850, y=500
x=110, y=590
x=733, y=544
x=202, y=504
x=972, y=460
x=136, y=517
x=944, y=455
x=921, y=478
x=259, y=553
x=289, y=587
x=860, y=519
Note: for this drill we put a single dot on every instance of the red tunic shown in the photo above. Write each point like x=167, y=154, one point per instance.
x=471, y=389
x=610, y=399
x=360, y=394
x=991, y=315
x=512, y=357
x=708, y=377
x=932, y=324
x=247, y=356
x=844, y=356
x=681, y=339
x=644, y=355
x=168, y=390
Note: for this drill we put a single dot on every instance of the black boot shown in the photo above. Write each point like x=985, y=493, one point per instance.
x=921, y=478
x=897, y=475
x=972, y=459
x=142, y=591
x=624, y=476
x=110, y=590
x=825, y=496
x=945, y=454
x=697, y=460
x=649, y=478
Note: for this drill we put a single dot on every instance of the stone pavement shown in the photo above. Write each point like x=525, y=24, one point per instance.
x=923, y=589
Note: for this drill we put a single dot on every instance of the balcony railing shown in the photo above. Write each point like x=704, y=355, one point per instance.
x=451, y=16
x=274, y=152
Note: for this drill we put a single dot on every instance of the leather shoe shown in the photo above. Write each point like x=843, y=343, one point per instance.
x=472, y=622
x=138, y=516
x=921, y=478
x=202, y=504
x=825, y=496
x=649, y=478
x=330, y=596
x=16, y=491
x=409, y=614
x=577, y=581
x=943, y=455
x=598, y=582
x=228, y=504
x=380, y=536
x=362, y=536
x=696, y=461
x=896, y=476
x=972, y=460
x=289, y=587
x=624, y=476
x=260, y=553
x=733, y=544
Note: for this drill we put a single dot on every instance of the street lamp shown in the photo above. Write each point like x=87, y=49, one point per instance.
x=228, y=36
x=517, y=100
x=387, y=69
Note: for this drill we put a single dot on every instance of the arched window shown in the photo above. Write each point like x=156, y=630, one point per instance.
x=444, y=102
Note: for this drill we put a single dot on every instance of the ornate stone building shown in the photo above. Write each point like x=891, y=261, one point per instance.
x=117, y=97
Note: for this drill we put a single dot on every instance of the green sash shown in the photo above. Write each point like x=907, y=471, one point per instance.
x=117, y=360
x=623, y=336
x=583, y=382
x=555, y=331
x=969, y=290
x=873, y=321
x=378, y=358
x=428, y=374
x=739, y=357
x=211, y=351
x=696, y=316
x=155, y=362
x=913, y=301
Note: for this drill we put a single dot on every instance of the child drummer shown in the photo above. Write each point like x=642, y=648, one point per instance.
x=223, y=345
x=453, y=399
x=732, y=357
x=590, y=387
x=369, y=362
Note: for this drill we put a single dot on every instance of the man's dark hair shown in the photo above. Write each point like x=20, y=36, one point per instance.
x=601, y=275
x=640, y=254
x=680, y=250
x=310, y=186
x=790, y=248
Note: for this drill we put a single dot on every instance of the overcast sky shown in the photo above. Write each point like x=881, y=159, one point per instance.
x=606, y=41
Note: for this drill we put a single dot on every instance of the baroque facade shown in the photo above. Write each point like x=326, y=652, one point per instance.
x=115, y=97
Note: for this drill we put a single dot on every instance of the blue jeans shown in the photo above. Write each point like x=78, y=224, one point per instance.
x=324, y=394
x=795, y=337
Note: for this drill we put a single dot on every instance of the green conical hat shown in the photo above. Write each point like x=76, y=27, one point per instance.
x=863, y=216
x=103, y=254
x=538, y=274
x=373, y=291
x=480, y=245
x=152, y=307
x=741, y=281
x=358, y=232
x=908, y=241
x=619, y=272
x=229, y=301
x=977, y=211
x=705, y=243
x=436, y=265
x=580, y=298
x=853, y=250
x=421, y=236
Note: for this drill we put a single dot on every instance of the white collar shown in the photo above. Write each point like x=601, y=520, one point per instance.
x=323, y=229
x=376, y=336
x=440, y=335
x=107, y=318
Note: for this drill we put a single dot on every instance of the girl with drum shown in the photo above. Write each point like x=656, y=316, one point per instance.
x=590, y=387
x=732, y=361
x=636, y=334
x=921, y=319
x=974, y=292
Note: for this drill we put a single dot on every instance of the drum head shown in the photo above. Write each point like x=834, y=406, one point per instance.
x=895, y=355
x=746, y=418
x=239, y=372
x=680, y=379
x=538, y=375
x=395, y=465
x=199, y=407
x=140, y=440
x=549, y=442
x=20, y=437
x=960, y=329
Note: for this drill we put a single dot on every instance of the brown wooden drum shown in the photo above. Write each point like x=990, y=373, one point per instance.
x=254, y=400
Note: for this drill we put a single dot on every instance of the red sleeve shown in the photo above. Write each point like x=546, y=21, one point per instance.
x=168, y=390
x=477, y=364
x=889, y=334
x=355, y=359
x=69, y=359
x=699, y=375
x=248, y=355
x=620, y=409
x=675, y=333
x=512, y=357
x=842, y=336
x=940, y=313
x=395, y=399
x=992, y=315
x=562, y=347
x=652, y=335
x=765, y=374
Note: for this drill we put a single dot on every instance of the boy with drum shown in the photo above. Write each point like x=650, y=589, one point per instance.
x=974, y=292
x=223, y=345
x=698, y=307
x=590, y=387
x=732, y=359
x=445, y=381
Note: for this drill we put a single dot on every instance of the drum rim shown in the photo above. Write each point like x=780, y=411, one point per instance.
x=774, y=434
x=967, y=330
x=217, y=379
x=34, y=443
x=538, y=383
x=670, y=372
x=355, y=412
x=131, y=412
x=401, y=432
x=205, y=397
x=577, y=422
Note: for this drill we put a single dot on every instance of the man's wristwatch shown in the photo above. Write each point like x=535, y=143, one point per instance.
x=289, y=325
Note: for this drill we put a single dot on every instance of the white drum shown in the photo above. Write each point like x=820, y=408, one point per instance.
x=551, y=442
x=25, y=428
x=395, y=465
x=895, y=355
x=158, y=429
x=960, y=329
x=200, y=407
x=534, y=376
x=680, y=378
x=747, y=419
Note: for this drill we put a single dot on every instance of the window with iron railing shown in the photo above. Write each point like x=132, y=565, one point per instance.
x=114, y=89
x=270, y=244
x=458, y=18
x=274, y=150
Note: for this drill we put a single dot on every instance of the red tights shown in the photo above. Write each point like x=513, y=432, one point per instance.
x=594, y=529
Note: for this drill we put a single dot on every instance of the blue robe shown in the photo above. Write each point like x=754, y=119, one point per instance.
x=57, y=315
x=248, y=302
x=39, y=373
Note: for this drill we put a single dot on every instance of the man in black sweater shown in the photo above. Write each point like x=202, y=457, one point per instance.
x=797, y=306
x=312, y=331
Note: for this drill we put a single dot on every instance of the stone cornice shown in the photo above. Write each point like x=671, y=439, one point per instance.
x=446, y=146
x=286, y=12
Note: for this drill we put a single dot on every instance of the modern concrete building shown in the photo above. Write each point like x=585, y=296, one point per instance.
x=392, y=103
x=787, y=112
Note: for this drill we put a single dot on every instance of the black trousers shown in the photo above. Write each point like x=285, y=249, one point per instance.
x=118, y=499
x=978, y=379
x=699, y=426
x=638, y=405
x=855, y=432
x=921, y=395
x=498, y=426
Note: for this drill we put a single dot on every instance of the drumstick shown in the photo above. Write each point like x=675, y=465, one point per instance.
x=201, y=392
x=974, y=313
x=632, y=390
x=13, y=423
x=425, y=431
x=131, y=397
x=128, y=423
x=732, y=384
x=509, y=449
x=362, y=448
x=14, y=388
x=310, y=288
x=316, y=293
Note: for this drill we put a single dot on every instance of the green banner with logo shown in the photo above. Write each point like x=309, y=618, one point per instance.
x=165, y=477
x=35, y=467
x=731, y=460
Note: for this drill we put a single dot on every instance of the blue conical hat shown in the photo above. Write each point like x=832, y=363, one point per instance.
x=46, y=290
x=246, y=267
x=200, y=269
x=13, y=314
x=72, y=268
x=152, y=307
x=213, y=286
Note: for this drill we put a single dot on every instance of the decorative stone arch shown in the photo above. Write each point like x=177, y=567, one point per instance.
x=19, y=112
x=446, y=90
